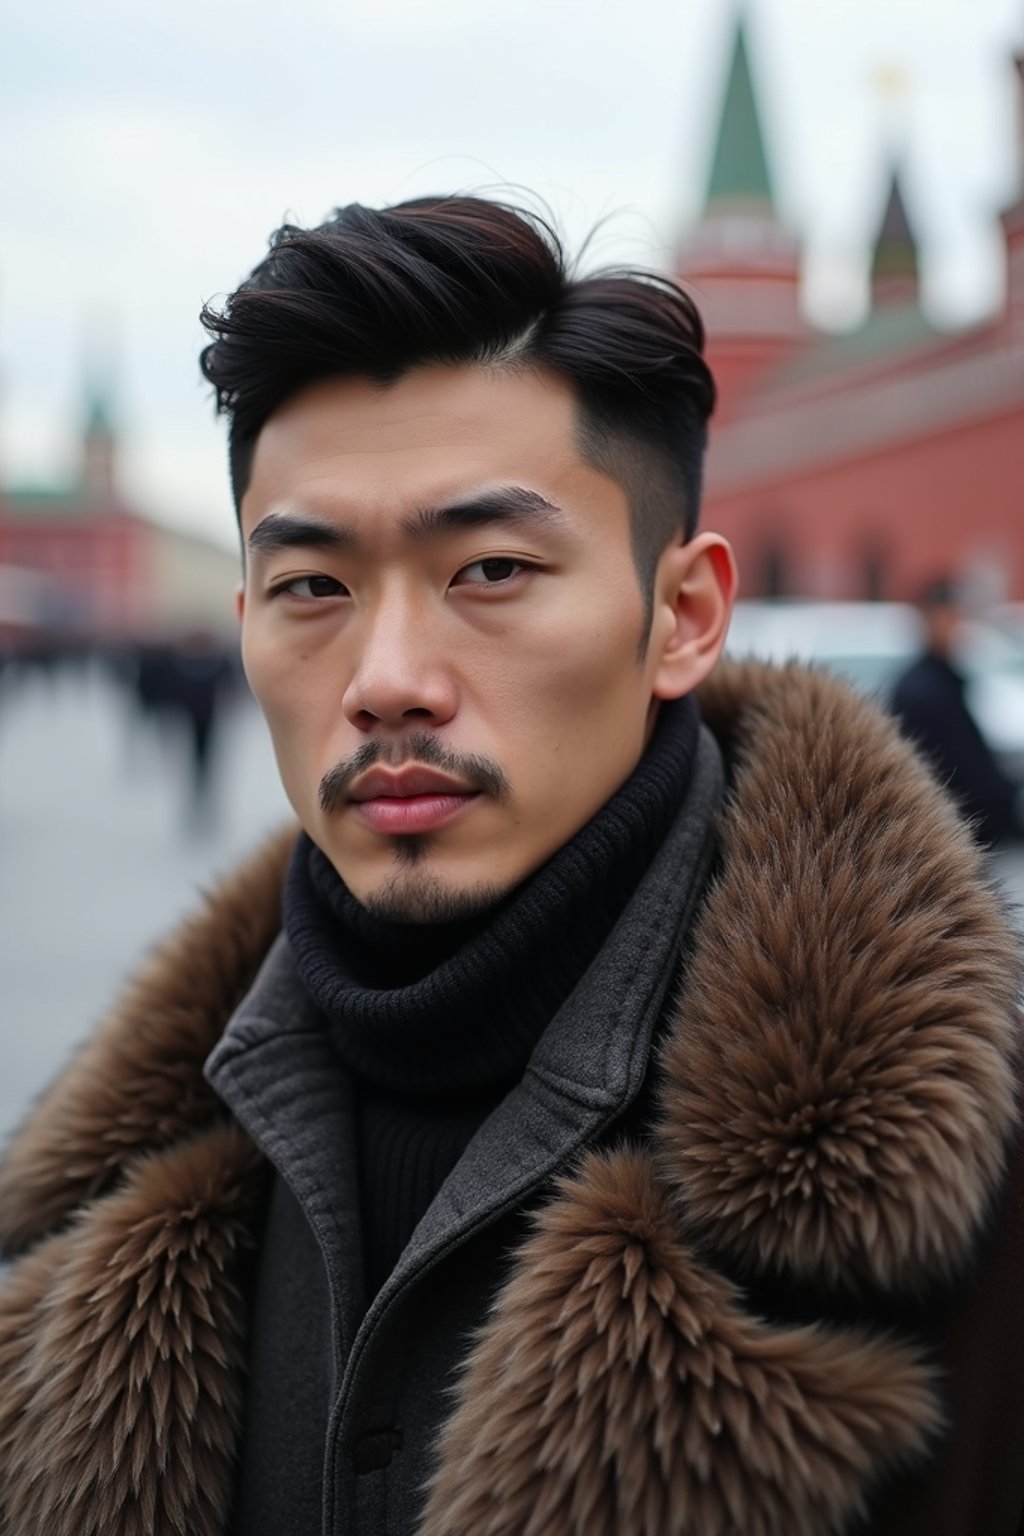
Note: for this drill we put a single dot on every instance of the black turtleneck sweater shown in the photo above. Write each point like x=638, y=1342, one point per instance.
x=435, y=1022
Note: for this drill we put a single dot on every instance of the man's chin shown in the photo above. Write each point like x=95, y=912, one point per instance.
x=418, y=896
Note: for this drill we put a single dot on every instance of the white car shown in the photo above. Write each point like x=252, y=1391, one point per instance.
x=872, y=643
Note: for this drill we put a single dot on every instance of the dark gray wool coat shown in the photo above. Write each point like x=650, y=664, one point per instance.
x=794, y=1308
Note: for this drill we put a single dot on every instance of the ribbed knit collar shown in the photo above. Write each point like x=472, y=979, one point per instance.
x=457, y=1008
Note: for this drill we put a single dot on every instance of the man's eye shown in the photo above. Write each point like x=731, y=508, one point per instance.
x=496, y=568
x=312, y=587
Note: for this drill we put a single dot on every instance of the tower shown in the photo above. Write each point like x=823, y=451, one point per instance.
x=740, y=262
x=895, y=278
x=99, y=445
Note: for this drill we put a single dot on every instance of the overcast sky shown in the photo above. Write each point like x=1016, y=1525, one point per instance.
x=146, y=151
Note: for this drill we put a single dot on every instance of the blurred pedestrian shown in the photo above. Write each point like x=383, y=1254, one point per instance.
x=931, y=704
x=199, y=675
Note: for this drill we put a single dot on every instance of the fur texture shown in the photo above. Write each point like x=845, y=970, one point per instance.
x=121, y=1331
x=138, y=1084
x=621, y=1387
x=838, y=1094
x=122, y=1414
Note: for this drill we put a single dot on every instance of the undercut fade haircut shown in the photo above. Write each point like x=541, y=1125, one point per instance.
x=465, y=280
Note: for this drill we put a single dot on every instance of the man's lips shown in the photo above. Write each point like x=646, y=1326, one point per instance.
x=405, y=783
x=409, y=800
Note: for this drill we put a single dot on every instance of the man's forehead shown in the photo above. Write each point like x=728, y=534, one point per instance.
x=433, y=437
x=459, y=400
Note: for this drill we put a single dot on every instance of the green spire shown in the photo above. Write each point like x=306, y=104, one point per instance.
x=739, y=168
x=99, y=418
x=895, y=253
x=99, y=432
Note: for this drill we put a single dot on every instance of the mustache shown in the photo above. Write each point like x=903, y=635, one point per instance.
x=479, y=773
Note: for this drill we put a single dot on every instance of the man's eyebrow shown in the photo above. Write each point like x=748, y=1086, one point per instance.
x=510, y=504
x=294, y=530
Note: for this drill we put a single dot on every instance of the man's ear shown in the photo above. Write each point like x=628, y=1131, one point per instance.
x=240, y=601
x=694, y=590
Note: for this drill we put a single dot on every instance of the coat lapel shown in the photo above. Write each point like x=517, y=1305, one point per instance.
x=277, y=1071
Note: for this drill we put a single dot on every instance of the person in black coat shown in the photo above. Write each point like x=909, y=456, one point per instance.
x=929, y=702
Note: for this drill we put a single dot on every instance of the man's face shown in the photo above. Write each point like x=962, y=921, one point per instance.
x=442, y=622
x=941, y=624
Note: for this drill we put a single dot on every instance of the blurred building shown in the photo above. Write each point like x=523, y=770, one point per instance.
x=856, y=465
x=80, y=565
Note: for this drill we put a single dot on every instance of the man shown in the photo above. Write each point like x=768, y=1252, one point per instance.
x=594, y=1121
x=929, y=701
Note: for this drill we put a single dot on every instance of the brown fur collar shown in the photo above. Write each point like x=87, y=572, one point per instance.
x=838, y=1094
x=121, y=1330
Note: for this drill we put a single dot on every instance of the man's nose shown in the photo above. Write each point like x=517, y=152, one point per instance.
x=401, y=673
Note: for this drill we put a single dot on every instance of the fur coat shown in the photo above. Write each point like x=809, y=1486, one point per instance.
x=837, y=1108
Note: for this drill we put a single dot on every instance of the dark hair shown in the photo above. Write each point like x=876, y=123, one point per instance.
x=465, y=280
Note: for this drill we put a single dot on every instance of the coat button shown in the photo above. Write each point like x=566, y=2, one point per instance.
x=374, y=1450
